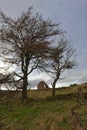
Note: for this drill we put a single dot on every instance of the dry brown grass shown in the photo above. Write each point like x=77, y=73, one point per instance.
x=41, y=111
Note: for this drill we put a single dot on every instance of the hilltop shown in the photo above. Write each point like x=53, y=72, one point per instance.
x=66, y=111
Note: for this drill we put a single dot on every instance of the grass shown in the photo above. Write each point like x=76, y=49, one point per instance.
x=41, y=111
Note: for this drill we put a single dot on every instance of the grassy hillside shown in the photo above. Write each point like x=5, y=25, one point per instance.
x=66, y=111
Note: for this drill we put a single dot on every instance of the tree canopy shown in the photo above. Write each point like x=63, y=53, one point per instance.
x=27, y=43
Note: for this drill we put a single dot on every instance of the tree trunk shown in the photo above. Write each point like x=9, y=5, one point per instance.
x=25, y=63
x=54, y=83
x=24, y=90
x=53, y=87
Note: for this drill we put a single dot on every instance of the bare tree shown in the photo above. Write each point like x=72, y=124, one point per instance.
x=26, y=41
x=63, y=57
x=6, y=79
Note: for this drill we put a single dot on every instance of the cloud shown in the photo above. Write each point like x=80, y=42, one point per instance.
x=36, y=77
x=72, y=16
x=80, y=77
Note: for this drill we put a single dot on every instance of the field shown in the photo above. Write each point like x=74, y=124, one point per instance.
x=66, y=111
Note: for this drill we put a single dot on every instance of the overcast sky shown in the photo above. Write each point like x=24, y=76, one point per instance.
x=72, y=16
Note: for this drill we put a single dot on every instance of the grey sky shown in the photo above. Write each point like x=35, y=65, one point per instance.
x=71, y=14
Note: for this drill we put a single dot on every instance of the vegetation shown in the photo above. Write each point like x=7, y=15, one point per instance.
x=29, y=44
x=63, y=58
x=43, y=112
x=26, y=42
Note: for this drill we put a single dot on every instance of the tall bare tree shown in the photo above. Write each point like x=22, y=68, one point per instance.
x=26, y=42
x=63, y=57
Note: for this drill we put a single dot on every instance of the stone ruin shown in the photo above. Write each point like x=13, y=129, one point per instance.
x=42, y=85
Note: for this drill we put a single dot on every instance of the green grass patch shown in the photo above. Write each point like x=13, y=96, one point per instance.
x=41, y=111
